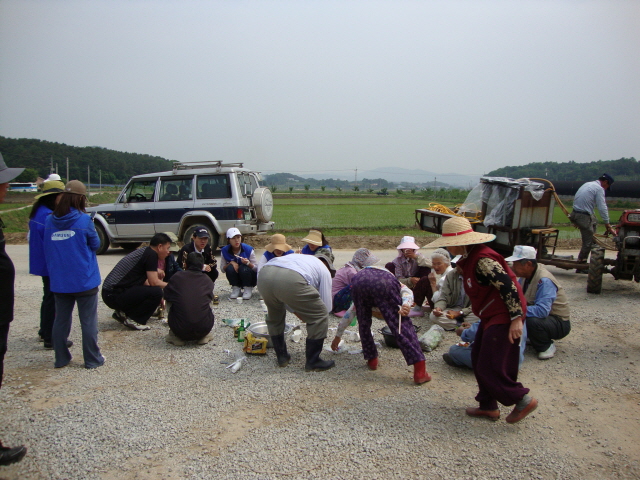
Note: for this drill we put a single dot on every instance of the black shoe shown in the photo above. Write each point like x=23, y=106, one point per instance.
x=12, y=455
x=49, y=345
x=449, y=361
x=119, y=316
x=280, y=348
x=314, y=362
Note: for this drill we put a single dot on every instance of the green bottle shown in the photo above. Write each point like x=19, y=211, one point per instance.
x=241, y=331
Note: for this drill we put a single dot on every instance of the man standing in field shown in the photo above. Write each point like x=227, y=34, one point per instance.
x=587, y=198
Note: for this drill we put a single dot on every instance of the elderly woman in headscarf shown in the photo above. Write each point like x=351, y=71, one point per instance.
x=412, y=269
x=440, y=266
x=341, y=286
x=497, y=299
x=375, y=287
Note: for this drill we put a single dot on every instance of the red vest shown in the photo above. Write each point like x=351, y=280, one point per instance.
x=486, y=302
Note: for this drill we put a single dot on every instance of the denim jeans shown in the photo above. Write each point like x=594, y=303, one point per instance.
x=88, y=313
x=244, y=277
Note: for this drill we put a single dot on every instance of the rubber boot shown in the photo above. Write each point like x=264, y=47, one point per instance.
x=373, y=363
x=314, y=362
x=280, y=348
x=420, y=374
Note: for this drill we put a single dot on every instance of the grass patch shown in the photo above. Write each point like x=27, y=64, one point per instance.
x=16, y=221
x=11, y=206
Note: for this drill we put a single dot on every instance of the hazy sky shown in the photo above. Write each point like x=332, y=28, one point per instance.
x=308, y=86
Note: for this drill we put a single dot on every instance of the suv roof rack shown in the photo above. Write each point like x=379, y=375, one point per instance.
x=216, y=163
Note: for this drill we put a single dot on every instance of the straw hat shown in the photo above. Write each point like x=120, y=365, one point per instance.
x=314, y=238
x=50, y=187
x=278, y=242
x=457, y=231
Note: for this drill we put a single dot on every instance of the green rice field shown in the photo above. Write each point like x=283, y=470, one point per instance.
x=336, y=215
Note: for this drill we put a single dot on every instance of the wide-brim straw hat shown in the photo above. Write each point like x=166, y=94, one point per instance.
x=278, y=242
x=457, y=231
x=51, y=187
x=314, y=238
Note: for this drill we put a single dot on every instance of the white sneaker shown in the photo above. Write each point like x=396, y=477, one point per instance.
x=548, y=353
x=248, y=291
x=135, y=325
x=235, y=293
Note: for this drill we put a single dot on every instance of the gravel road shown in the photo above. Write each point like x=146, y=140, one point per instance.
x=156, y=411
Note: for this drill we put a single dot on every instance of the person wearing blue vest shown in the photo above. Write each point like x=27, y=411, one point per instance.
x=238, y=262
x=70, y=245
x=317, y=244
x=277, y=247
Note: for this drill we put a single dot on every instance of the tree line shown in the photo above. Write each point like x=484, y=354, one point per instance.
x=115, y=168
x=622, y=169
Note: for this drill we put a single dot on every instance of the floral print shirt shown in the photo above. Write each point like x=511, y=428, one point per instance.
x=490, y=272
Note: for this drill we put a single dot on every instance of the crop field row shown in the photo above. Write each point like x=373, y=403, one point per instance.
x=337, y=216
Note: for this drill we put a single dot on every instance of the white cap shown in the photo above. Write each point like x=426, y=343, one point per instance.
x=232, y=232
x=53, y=176
x=522, y=252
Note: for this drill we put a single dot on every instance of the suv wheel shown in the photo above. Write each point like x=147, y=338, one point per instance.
x=213, y=235
x=104, y=239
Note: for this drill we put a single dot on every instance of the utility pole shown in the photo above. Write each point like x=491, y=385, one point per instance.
x=101, y=180
x=356, y=179
x=51, y=167
x=88, y=179
x=67, y=169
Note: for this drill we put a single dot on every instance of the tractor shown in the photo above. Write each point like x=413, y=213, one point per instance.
x=626, y=266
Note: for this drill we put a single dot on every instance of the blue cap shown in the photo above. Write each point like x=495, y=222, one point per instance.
x=608, y=178
x=201, y=232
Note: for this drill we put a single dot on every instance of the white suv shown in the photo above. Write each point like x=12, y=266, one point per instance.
x=213, y=195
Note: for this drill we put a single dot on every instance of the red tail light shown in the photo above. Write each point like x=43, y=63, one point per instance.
x=240, y=214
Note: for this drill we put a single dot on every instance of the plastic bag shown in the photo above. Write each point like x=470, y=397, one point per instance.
x=431, y=338
x=234, y=322
x=351, y=314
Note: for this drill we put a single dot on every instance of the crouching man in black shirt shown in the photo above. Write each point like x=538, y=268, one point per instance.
x=133, y=288
x=189, y=294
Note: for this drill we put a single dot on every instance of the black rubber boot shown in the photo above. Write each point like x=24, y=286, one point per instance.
x=314, y=362
x=280, y=348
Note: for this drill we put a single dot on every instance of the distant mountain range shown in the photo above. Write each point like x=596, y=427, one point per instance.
x=396, y=175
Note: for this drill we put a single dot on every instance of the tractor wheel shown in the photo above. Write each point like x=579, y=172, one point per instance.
x=596, y=270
